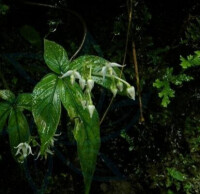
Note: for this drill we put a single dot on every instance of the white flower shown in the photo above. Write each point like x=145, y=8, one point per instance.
x=91, y=110
x=84, y=103
x=109, y=67
x=53, y=139
x=120, y=86
x=73, y=75
x=114, y=91
x=90, y=84
x=82, y=83
x=72, y=79
x=24, y=149
x=131, y=92
x=48, y=151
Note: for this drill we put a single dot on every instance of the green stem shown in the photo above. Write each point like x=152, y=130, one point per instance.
x=111, y=76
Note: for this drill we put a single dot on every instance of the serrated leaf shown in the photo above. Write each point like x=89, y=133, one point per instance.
x=158, y=83
x=24, y=101
x=7, y=95
x=184, y=63
x=176, y=174
x=55, y=57
x=18, y=129
x=46, y=109
x=86, y=131
x=4, y=112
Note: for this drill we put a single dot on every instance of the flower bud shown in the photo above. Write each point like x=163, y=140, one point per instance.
x=82, y=83
x=131, y=92
x=114, y=90
x=77, y=75
x=103, y=71
x=120, y=86
x=91, y=110
x=110, y=69
x=72, y=79
x=83, y=103
x=90, y=84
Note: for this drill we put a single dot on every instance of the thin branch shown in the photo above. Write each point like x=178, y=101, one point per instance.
x=73, y=13
x=137, y=82
x=130, y=13
x=105, y=113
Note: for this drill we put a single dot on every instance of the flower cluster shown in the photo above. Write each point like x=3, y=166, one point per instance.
x=130, y=90
x=87, y=84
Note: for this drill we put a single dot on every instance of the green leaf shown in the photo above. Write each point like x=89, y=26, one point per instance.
x=176, y=174
x=86, y=131
x=7, y=95
x=46, y=109
x=4, y=112
x=24, y=101
x=18, y=129
x=55, y=57
x=83, y=64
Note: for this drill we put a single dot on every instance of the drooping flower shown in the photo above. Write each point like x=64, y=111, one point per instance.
x=120, y=86
x=84, y=103
x=109, y=67
x=91, y=110
x=131, y=92
x=23, y=149
x=114, y=90
x=90, y=84
x=82, y=83
x=73, y=75
x=54, y=138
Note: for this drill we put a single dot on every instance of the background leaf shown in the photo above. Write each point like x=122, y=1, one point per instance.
x=31, y=35
x=7, y=95
x=4, y=112
x=18, y=129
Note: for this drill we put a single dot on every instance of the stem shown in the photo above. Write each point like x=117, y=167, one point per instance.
x=137, y=82
x=125, y=53
x=130, y=12
x=113, y=76
x=105, y=113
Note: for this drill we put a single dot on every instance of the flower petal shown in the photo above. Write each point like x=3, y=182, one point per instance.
x=91, y=110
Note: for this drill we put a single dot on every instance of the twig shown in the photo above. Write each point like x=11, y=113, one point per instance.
x=105, y=113
x=72, y=12
x=137, y=82
x=130, y=13
x=124, y=59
